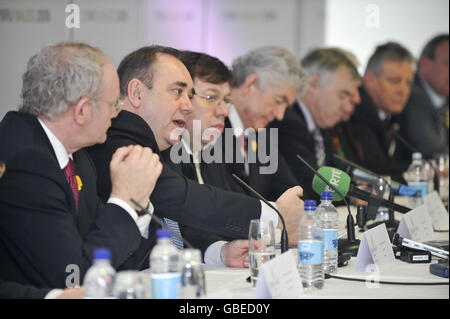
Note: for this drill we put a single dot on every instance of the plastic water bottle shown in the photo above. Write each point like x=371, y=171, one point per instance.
x=165, y=267
x=99, y=278
x=327, y=221
x=417, y=179
x=310, y=249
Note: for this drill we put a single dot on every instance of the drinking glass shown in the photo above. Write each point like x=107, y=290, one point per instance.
x=129, y=285
x=261, y=237
x=192, y=275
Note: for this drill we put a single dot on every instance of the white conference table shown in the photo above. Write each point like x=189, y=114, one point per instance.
x=222, y=282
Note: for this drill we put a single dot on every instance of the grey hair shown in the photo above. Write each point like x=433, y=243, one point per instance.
x=390, y=51
x=326, y=61
x=273, y=65
x=59, y=76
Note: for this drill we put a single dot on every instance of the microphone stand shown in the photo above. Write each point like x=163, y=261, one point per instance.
x=372, y=208
x=349, y=244
x=284, y=235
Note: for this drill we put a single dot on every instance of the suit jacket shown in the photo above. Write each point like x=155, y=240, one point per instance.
x=40, y=231
x=373, y=139
x=176, y=197
x=422, y=124
x=212, y=174
x=270, y=185
x=12, y=290
x=296, y=139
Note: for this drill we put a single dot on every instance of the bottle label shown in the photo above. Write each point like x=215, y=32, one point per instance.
x=330, y=240
x=421, y=187
x=310, y=252
x=166, y=285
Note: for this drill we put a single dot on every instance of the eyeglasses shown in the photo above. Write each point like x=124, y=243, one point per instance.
x=117, y=105
x=214, y=99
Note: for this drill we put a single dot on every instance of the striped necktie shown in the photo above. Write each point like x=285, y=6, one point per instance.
x=319, y=147
x=176, y=234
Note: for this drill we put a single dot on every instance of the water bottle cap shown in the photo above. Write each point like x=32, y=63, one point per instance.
x=326, y=195
x=102, y=253
x=310, y=204
x=163, y=233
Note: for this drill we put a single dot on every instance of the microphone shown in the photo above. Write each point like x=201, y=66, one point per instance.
x=350, y=245
x=162, y=224
x=341, y=181
x=284, y=236
x=363, y=174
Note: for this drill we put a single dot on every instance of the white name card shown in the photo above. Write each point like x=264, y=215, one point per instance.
x=279, y=279
x=375, y=248
x=416, y=225
x=437, y=211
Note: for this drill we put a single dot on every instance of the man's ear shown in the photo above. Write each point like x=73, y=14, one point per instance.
x=134, y=92
x=250, y=84
x=369, y=80
x=83, y=110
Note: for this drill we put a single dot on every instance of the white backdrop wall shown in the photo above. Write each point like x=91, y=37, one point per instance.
x=352, y=24
x=223, y=28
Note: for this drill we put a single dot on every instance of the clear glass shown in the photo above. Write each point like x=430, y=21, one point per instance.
x=192, y=275
x=129, y=285
x=442, y=166
x=261, y=245
x=381, y=188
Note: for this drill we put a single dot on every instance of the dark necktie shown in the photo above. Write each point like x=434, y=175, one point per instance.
x=71, y=177
x=319, y=147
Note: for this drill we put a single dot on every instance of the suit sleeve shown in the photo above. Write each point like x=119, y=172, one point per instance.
x=39, y=228
x=430, y=138
x=178, y=198
x=12, y=290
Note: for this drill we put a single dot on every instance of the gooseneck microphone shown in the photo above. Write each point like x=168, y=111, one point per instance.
x=351, y=244
x=284, y=236
x=162, y=224
x=360, y=173
x=341, y=181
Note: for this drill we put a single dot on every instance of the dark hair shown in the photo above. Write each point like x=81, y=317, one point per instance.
x=390, y=51
x=139, y=65
x=205, y=67
x=429, y=50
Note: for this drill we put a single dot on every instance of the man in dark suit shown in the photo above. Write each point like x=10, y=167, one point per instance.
x=386, y=88
x=306, y=129
x=51, y=219
x=157, y=90
x=424, y=121
x=265, y=81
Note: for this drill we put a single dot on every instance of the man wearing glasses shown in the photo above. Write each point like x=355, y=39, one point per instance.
x=51, y=219
x=157, y=89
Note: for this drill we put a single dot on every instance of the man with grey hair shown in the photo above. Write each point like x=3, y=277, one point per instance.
x=330, y=98
x=386, y=88
x=427, y=107
x=265, y=81
x=51, y=219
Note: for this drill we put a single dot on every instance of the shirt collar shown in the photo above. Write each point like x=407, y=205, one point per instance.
x=382, y=115
x=311, y=125
x=236, y=121
x=435, y=98
x=60, y=151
